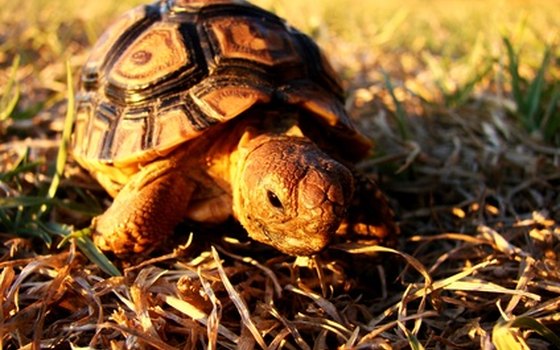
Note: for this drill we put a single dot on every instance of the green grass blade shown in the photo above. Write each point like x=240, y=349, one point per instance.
x=62, y=154
x=35, y=230
x=20, y=166
x=550, y=124
x=530, y=101
x=399, y=112
x=513, y=68
x=504, y=337
x=534, y=93
x=392, y=26
x=436, y=69
x=462, y=94
x=37, y=201
x=11, y=93
x=90, y=250
x=96, y=256
x=84, y=243
x=25, y=201
x=413, y=342
x=6, y=221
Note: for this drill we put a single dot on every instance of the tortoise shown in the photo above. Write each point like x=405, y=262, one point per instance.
x=205, y=110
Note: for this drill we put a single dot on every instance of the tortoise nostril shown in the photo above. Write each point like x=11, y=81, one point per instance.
x=274, y=200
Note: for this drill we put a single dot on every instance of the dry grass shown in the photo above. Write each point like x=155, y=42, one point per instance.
x=474, y=179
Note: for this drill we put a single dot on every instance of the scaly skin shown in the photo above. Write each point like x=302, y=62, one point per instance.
x=146, y=210
x=283, y=189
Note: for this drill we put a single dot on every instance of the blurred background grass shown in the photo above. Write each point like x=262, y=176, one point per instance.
x=440, y=51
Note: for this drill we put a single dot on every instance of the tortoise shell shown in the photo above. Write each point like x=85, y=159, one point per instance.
x=165, y=73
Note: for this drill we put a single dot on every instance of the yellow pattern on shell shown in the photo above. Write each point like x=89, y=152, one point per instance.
x=257, y=41
x=172, y=128
x=224, y=103
x=158, y=52
x=111, y=35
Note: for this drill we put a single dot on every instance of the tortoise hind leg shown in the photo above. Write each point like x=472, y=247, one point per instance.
x=369, y=215
x=146, y=210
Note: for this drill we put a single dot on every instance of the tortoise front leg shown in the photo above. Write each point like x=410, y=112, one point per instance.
x=369, y=215
x=146, y=210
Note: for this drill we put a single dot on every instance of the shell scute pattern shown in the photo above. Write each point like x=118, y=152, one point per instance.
x=130, y=134
x=164, y=73
x=244, y=38
x=157, y=53
x=107, y=41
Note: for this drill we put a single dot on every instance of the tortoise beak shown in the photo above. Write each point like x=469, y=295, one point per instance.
x=290, y=245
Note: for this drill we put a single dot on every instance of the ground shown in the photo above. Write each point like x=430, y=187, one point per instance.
x=462, y=101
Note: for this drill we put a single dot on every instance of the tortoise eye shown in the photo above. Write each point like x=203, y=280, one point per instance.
x=274, y=200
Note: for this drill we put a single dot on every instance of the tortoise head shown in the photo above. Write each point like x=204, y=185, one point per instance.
x=289, y=194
